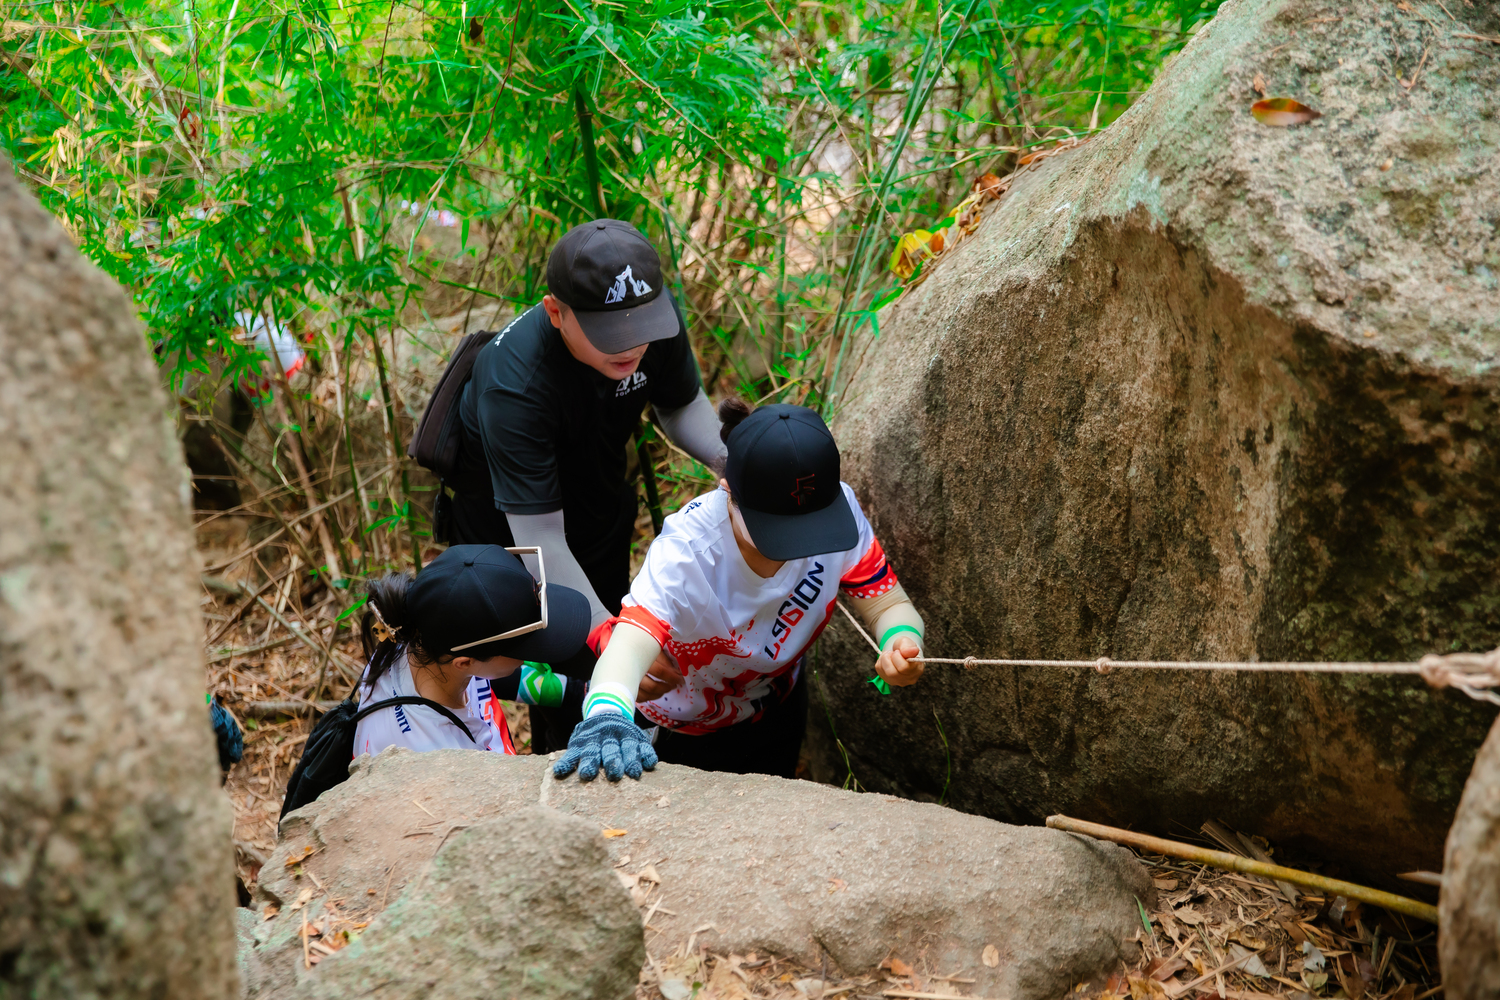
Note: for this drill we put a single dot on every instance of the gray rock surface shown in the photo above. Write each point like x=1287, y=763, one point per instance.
x=1469, y=907
x=116, y=874
x=1205, y=389
x=518, y=905
x=787, y=867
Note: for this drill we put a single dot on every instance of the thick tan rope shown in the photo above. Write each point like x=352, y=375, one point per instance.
x=1471, y=673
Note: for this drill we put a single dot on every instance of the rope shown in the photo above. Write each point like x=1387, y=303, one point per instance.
x=1471, y=673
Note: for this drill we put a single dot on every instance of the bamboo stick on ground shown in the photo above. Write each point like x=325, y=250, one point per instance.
x=1249, y=866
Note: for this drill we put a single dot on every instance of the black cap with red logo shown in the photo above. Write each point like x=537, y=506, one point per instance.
x=609, y=274
x=783, y=470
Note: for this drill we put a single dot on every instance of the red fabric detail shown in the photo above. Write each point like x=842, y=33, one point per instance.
x=692, y=655
x=496, y=717
x=653, y=626
x=729, y=687
x=868, y=567
x=636, y=615
x=599, y=637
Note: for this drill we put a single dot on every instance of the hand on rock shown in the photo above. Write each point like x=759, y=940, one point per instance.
x=610, y=740
x=895, y=665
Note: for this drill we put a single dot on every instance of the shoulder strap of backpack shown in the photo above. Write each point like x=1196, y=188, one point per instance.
x=434, y=443
x=411, y=699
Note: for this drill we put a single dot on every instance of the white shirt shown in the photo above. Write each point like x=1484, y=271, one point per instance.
x=738, y=638
x=423, y=728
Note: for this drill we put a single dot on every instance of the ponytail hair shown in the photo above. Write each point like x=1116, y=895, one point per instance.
x=732, y=410
x=386, y=629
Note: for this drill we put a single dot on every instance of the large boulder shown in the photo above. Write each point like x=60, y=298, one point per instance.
x=1205, y=388
x=1469, y=909
x=116, y=873
x=519, y=904
x=737, y=863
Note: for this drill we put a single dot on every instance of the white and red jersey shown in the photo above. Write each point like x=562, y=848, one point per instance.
x=422, y=728
x=738, y=638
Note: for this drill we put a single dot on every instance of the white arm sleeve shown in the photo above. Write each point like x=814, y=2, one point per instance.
x=695, y=429
x=546, y=532
x=617, y=675
x=890, y=616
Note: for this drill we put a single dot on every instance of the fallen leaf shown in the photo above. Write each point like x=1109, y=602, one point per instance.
x=675, y=989
x=270, y=911
x=900, y=968
x=1118, y=982
x=1250, y=940
x=1298, y=935
x=1251, y=963
x=663, y=802
x=1146, y=988
x=296, y=860
x=648, y=874
x=1259, y=86
x=1188, y=915
x=1161, y=969
x=809, y=987
x=990, y=186
x=1164, y=883
x=837, y=885
x=615, y=833
x=301, y=900
x=1280, y=112
x=990, y=956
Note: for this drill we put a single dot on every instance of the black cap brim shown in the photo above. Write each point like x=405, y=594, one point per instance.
x=797, y=536
x=567, y=628
x=619, y=330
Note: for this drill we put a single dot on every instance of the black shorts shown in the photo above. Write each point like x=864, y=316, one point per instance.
x=770, y=745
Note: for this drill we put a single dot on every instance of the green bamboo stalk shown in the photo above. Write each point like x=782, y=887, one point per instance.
x=590, y=152
x=397, y=454
x=924, y=81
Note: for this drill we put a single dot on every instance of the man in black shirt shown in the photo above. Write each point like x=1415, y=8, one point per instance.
x=550, y=408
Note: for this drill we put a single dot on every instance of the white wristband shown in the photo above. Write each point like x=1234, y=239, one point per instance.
x=608, y=696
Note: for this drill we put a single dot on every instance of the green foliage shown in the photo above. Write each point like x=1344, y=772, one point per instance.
x=292, y=158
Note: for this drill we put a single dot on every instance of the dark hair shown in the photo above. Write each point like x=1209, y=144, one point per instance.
x=732, y=410
x=388, y=595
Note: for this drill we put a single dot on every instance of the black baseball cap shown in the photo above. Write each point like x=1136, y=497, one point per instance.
x=783, y=470
x=474, y=591
x=610, y=276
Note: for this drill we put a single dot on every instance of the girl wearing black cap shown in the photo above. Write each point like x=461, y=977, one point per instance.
x=734, y=590
x=471, y=615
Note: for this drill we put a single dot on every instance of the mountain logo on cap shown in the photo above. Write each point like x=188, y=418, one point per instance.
x=804, y=488
x=625, y=281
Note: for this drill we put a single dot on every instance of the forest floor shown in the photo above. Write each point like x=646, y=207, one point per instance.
x=1212, y=935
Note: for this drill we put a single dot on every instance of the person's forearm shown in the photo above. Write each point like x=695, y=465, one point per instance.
x=890, y=616
x=695, y=429
x=617, y=675
x=546, y=532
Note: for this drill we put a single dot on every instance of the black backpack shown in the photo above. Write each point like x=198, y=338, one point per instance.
x=435, y=443
x=330, y=747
